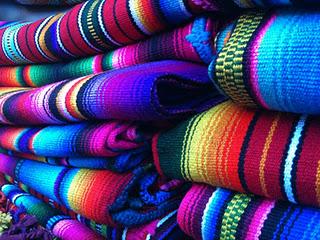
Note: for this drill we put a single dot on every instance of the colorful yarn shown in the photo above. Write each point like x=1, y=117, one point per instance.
x=276, y=66
x=105, y=197
x=146, y=92
x=75, y=140
x=124, y=162
x=266, y=153
x=191, y=42
x=90, y=28
x=156, y=229
x=207, y=213
x=60, y=225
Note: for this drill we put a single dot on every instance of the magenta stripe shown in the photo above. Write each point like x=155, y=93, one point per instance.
x=254, y=78
x=258, y=219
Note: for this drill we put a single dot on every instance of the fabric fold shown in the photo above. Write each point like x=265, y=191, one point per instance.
x=192, y=42
x=208, y=213
x=275, y=67
x=124, y=162
x=106, y=197
x=106, y=139
x=92, y=27
x=165, y=226
x=270, y=154
x=147, y=92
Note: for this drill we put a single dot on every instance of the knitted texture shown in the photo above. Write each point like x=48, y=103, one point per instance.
x=276, y=64
x=192, y=42
x=62, y=226
x=124, y=162
x=165, y=226
x=84, y=139
x=207, y=213
x=151, y=91
x=106, y=197
x=90, y=28
x=266, y=153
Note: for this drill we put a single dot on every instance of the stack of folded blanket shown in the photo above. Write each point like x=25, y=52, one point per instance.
x=161, y=119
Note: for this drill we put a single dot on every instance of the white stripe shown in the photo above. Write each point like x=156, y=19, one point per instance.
x=204, y=216
x=135, y=16
x=36, y=37
x=101, y=24
x=59, y=39
x=166, y=218
x=290, y=157
x=81, y=30
x=124, y=234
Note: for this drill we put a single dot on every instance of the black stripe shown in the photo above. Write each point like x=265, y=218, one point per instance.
x=284, y=156
x=294, y=170
x=244, y=149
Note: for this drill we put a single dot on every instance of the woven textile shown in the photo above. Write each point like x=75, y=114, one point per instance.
x=74, y=140
x=266, y=153
x=191, y=42
x=276, y=66
x=90, y=28
x=207, y=213
x=49, y=2
x=124, y=162
x=106, y=197
x=151, y=91
x=161, y=228
x=60, y=225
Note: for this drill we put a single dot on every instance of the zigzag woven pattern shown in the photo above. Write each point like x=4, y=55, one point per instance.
x=191, y=42
x=207, y=213
x=266, y=153
x=271, y=68
x=90, y=28
x=135, y=93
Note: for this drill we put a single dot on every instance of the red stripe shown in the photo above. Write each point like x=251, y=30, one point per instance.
x=275, y=155
x=306, y=178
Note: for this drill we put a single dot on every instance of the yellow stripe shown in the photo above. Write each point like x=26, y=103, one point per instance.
x=264, y=156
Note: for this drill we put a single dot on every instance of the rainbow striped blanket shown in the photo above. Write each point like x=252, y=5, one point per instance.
x=106, y=197
x=92, y=27
x=207, y=213
x=270, y=154
x=192, y=42
x=147, y=92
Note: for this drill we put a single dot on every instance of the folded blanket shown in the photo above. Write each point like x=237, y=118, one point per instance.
x=106, y=197
x=209, y=213
x=151, y=91
x=49, y=2
x=276, y=66
x=75, y=140
x=60, y=225
x=160, y=228
x=267, y=153
x=124, y=162
x=90, y=28
x=191, y=43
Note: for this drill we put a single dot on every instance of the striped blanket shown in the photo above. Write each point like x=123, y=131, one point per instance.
x=207, y=213
x=270, y=154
